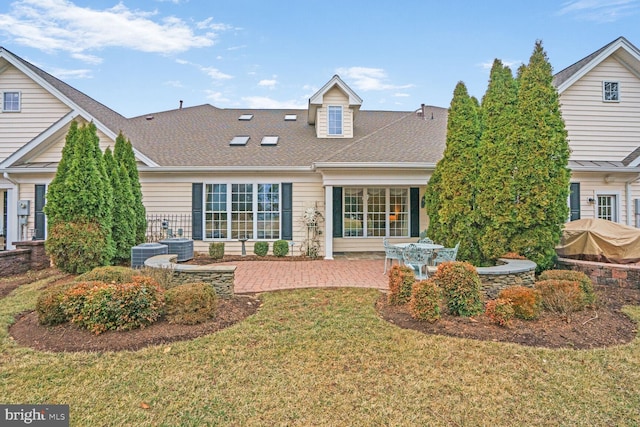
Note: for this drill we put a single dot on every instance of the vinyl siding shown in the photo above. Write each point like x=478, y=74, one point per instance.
x=604, y=131
x=54, y=152
x=39, y=110
x=334, y=97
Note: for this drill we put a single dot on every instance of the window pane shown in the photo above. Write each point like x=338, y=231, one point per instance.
x=268, y=211
x=353, y=212
x=398, y=212
x=376, y=212
x=611, y=92
x=11, y=101
x=335, y=120
x=216, y=211
x=606, y=209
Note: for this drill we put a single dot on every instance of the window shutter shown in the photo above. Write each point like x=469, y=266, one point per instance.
x=574, y=201
x=39, y=212
x=414, y=204
x=337, y=211
x=196, y=211
x=287, y=211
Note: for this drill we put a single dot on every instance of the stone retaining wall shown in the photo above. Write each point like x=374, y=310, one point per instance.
x=510, y=272
x=220, y=277
x=28, y=255
x=600, y=273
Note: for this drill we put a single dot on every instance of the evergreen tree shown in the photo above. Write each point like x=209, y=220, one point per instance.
x=453, y=202
x=123, y=154
x=541, y=175
x=123, y=230
x=57, y=188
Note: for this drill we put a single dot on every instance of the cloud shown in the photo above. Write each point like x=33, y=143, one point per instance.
x=60, y=25
x=71, y=74
x=212, y=72
x=401, y=95
x=512, y=64
x=215, y=97
x=368, y=78
x=599, y=10
x=264, y=102
x=173, y=83
x=271, y=83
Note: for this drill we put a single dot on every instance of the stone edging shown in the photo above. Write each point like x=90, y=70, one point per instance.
x=221, y=277
x=509, y=266
x=512, y=272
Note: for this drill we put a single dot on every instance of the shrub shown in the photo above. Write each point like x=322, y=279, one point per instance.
x=191, y=303
x=216, y=250
x=561, y=296
x=108, y=274
x=78, y=247
x=401, y=279
x=500, y=311
x=525, y=301
x=513, y=255
x=49, y=305
x=425, y=300
x=280, y=248
x=585, y=282
x=261, y=248
x=163, y=276
x=461, y=288
x=100, y=306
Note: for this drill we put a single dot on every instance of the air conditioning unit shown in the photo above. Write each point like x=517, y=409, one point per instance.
x=179, y=246
x=140, y=253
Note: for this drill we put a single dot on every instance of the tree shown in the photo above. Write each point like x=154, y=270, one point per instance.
x=57, y=188
x=452, y=203
x=123, y=229
x=123, y=154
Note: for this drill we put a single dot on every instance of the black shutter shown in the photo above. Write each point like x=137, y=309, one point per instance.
x=39, y=212
x=196, y=211
x=337, y=211
x=287, y=214
x=574, y=201
x=414, y=204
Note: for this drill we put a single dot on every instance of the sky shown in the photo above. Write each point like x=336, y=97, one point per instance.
x=144, y=56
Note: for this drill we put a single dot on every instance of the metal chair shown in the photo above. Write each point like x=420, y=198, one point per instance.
x=425, y=240
x=417, y=259
x=443, y=255
x=390, y=253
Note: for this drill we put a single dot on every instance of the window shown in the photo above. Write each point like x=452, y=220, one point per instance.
x=611, y=91
x=335, y=120
x=376, y=212
x=607, y=207
x=11, y=101
x=250, y=210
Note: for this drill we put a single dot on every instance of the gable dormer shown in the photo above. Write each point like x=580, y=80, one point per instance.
x=333, y=109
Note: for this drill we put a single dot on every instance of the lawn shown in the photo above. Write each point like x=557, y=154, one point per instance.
x=324, y=358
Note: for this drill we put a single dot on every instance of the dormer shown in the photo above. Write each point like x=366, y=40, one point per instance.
x=333, y=109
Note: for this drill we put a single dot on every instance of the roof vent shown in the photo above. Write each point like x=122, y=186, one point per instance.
x=269, y=140
x=149, y=117
x=239, y=140
x=245, y=117
x=290, y=117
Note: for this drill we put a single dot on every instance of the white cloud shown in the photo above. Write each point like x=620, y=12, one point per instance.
x=401, y=95
x=270, y=83
x=173, y=83
x=89, y=59
x=599, y=10
x=60, y=25
x=264, y=102
x=215, y=74
x=368, y=78
x=215, y=97
x=512, y=64
x=71, y=74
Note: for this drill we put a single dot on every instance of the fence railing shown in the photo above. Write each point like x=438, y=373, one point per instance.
x=165, y=226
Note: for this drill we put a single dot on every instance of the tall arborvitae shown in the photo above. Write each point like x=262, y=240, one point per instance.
x=123, y=230
x=496, y=194
x=541, y=175
x=123, y=154
x=55, y=190
x=457, y=171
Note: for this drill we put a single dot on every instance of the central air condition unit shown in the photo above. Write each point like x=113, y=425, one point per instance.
x=140, y=253
x=179, y=246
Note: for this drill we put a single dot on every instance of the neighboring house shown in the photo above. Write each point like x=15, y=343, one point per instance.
x=252, y=173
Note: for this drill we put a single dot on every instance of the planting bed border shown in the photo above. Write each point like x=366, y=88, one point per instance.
x=510, y=272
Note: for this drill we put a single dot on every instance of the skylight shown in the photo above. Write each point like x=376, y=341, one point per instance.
x=245, y=117
x=290, y=117
x=239, y=140
x=269, y=140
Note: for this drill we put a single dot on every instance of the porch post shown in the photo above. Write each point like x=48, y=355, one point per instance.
x=328, y=221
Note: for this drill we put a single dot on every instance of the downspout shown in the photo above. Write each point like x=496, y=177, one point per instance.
x=627, y=193
x=12, y=234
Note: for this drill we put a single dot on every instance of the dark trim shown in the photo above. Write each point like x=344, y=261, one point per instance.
x=41, y=191
x=574, y=200
x=196, y=210
x=337, y=211
x=287, y=211
x=414, y=205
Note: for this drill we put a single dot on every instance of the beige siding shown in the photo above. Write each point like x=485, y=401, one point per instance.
x=602, y=130
x=39, y=110
x=334, y=97
x=54, y=152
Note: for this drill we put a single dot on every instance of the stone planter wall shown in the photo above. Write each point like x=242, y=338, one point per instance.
x=28, y=255
x=600, y=273
x=510, y=272
x=220, y=277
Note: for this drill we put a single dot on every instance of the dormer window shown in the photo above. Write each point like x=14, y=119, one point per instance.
x=611, y=91
x=11, y=102
x=335, y=120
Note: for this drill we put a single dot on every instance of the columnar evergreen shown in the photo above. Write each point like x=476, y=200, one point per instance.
x=123, y=230
x=123, y=154
x=57, y=188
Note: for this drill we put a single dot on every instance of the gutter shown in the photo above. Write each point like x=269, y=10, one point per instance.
x=373, y=165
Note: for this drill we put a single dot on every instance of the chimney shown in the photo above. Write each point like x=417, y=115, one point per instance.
x=424, y=114
x=181, y=104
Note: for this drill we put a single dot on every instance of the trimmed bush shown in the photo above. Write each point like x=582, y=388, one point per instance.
x=191, y=303
x=216, y=250
x=280, y=248
x=526, y=302
x=77, y=247
x=500, y=311
x=561, y=296
x=425, y=300
x=461, y=288
x=401, y=280
x=585, y=282
x=49, y=305
x=162, y=276
x=261, y=248
x=108, y=274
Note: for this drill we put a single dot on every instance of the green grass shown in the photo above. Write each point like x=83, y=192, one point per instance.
x=324, y=358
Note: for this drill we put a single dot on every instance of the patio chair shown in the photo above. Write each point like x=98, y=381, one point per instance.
x=417, y=258
x=425, y=240
x=390, y=253
x=443, y=255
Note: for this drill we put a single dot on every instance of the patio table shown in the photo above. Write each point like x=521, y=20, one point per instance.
x=430, y=247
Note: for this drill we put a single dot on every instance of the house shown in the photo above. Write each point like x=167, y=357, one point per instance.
x=253, y=173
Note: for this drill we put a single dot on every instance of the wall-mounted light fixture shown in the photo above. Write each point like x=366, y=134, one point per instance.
x=591, y=200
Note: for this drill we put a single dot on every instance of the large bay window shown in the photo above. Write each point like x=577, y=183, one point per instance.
x=236, y=211
x=376, y=212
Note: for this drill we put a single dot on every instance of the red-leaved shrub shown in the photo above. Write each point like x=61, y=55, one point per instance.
x=526, y=302
x=425, y=300
x=401, y=279
x=500, y=311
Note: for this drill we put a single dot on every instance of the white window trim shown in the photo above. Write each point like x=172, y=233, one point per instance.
x=617, y=195
x=19, y=101
x=365, y=211
x=603, y=92
x=329, y=107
